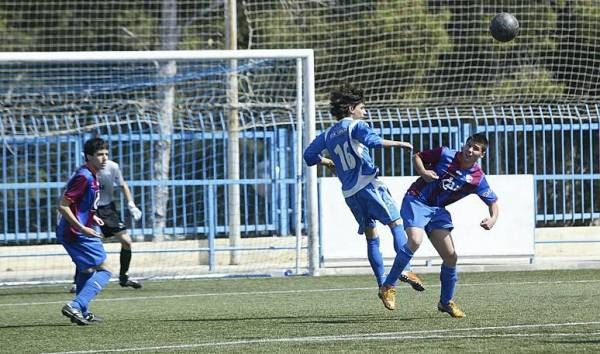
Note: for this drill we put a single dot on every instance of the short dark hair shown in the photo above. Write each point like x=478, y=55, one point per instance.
x=479, y=138
x=343, y=99
x=93, y=145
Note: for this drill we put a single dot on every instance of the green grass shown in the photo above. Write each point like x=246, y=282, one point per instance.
x=507, y=312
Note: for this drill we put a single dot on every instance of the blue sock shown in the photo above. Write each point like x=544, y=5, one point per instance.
x=448, y=278
x=80, y=279
x=402, y=259
x=91, y=288
x=400, y=240
x=399, y=237
x=376, y=259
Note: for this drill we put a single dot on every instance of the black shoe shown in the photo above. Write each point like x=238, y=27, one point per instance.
x=125, y=282
x=91, y=318
x=74, y=314
x=413, y=280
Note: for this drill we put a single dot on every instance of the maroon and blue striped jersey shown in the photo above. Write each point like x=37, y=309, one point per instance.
x=82, y=190
x=453, y=183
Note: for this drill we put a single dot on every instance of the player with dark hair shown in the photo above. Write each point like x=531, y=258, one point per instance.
x=76, y=232
x=109, y=176
x=445, y=176
x=347, y=144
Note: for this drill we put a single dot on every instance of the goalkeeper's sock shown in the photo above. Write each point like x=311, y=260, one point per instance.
x=375, y=259
x=125, y=260
x=402, y=259
x=91, y=288
x=448, y=278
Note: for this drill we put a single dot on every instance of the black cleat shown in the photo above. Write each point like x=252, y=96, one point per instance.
x=125, y=282
x=74, y=314
x=91, y=318
x=413, y=280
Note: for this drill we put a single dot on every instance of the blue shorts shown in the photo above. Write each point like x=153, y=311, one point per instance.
x=372, y=203
x=415, y=213
x=86, y=252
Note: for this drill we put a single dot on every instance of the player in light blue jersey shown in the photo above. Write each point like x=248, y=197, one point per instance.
x=347, y=143
x=445, y=177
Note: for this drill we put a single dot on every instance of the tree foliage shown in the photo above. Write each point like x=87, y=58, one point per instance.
x=411, y=51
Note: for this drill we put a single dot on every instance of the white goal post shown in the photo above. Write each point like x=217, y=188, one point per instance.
x=304, y=106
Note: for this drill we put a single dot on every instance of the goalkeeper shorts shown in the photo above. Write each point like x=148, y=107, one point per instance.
x=112, y=221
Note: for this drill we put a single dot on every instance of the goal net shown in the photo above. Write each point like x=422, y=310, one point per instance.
x=178, y=123
x=406, y=53
x=436, y=53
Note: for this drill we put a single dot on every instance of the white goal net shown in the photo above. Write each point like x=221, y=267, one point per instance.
x=178, y=123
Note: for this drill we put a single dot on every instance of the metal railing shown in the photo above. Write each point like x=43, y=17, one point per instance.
x=559, y=145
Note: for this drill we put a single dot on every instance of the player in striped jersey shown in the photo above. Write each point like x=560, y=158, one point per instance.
x=76, y=231
x=446, y=176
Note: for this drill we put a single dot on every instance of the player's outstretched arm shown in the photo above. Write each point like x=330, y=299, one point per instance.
x=488, y=223
x=394, y=143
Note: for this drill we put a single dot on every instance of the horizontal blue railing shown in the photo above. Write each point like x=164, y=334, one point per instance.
x=558, y=145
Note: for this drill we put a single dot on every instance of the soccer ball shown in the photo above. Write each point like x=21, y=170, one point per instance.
x=504, y=27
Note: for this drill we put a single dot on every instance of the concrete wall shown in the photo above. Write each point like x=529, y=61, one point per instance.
x=568, y=242
x=512, y=236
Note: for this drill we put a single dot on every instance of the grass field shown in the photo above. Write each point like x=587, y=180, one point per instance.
x=549, y=311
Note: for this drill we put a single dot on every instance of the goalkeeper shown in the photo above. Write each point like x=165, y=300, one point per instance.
x=347, y=142
x=109, y=176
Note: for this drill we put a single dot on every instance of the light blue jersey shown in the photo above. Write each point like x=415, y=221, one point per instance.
x=369, y=200
x=347, y=143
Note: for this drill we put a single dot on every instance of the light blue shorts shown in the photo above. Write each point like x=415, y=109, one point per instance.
x=373, y=203
x=415, y=213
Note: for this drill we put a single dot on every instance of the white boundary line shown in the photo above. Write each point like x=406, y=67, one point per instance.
x=431, y=334
x=247, y=293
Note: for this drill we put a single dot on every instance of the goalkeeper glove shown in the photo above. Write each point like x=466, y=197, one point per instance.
x=134, y=211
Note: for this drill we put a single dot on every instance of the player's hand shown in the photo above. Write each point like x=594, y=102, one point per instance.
x=406, y=146
x=487, y=223
x=430, y=175
x=136, y=213
x=98, y=220
x=329, y=164
x=89, y=232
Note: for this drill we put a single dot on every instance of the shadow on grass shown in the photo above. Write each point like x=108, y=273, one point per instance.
x=34, y=293
x=41, y=325
x=574, y=341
